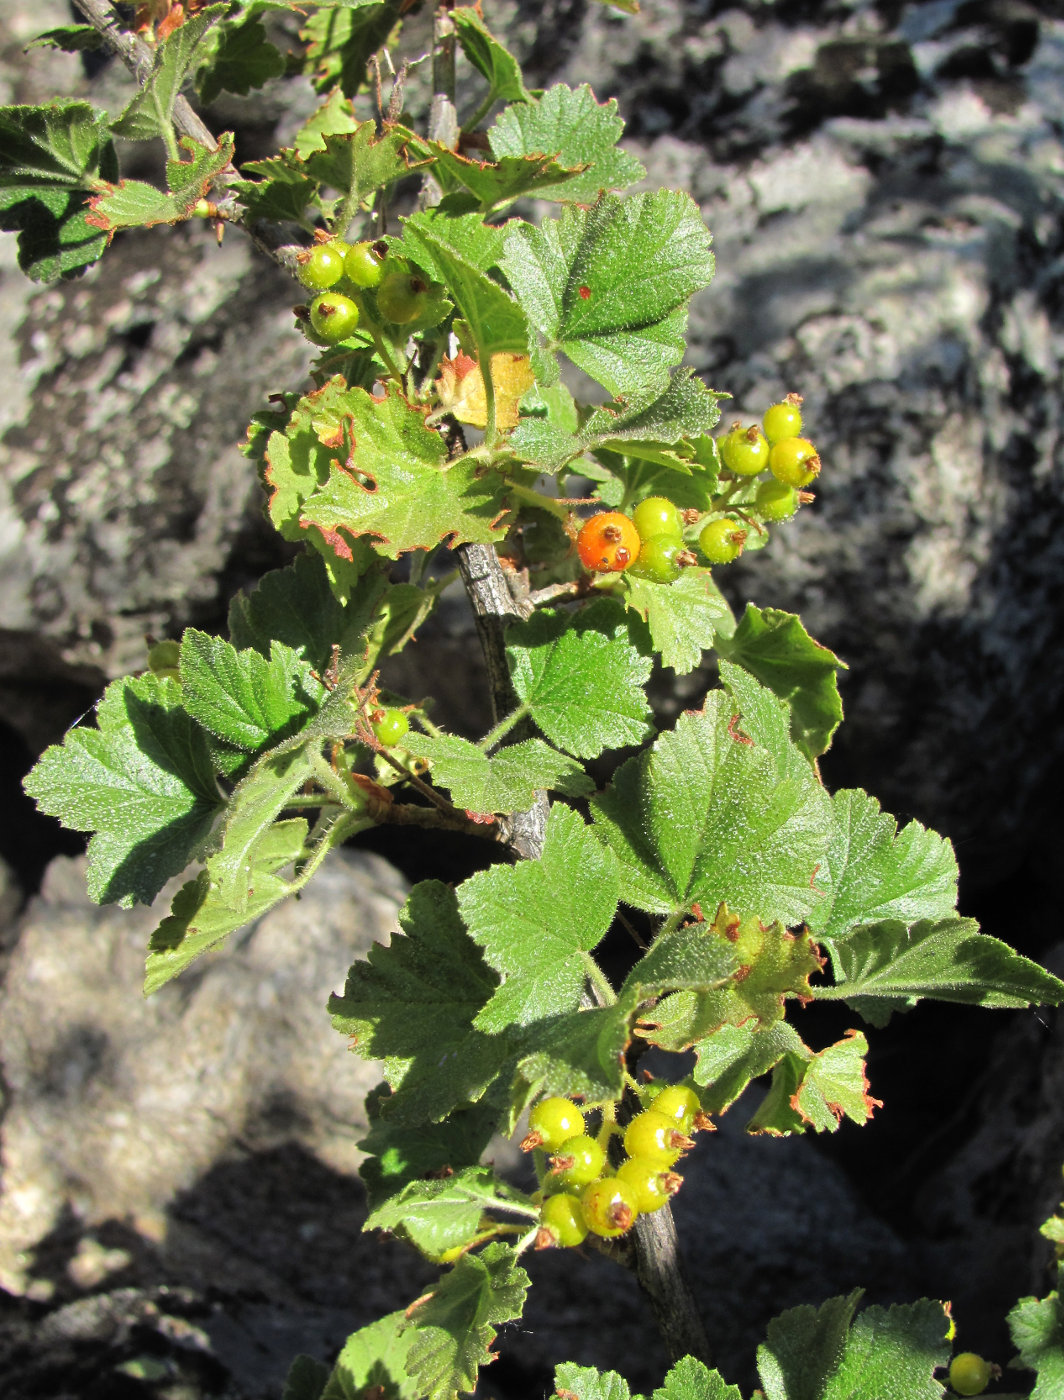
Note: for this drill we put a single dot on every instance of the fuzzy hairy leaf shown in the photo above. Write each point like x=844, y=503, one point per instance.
x=400, y=1153
x=777, y=650
x=889, y=966
x=444, y=1213
x=732, y=1056
x=489, y=57
x=456, y=1324
x=505, y=782
x=414, y=1005
x=817, y=1090
x=142, y=781
x=708, y=815
x=150, y=113
x=608, y=286
x=492, y=186
x=374, y=1359
x=238, y=55
x=683, y=619
x=531, y=935
x=134, y=204
x=50, y=157
x=582, y=680
x=340, y=39
x=243, y=697
x=587, y=1383
x=878, y=873
x=579, y=131
x=694, y=958
x=883, y=1354
x=691, y=1379
x=1037, y=1329
x=579, y=1052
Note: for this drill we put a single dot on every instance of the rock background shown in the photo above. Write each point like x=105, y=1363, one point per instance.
x=884, y=184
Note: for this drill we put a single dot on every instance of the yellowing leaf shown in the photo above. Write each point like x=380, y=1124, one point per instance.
x=461, y=388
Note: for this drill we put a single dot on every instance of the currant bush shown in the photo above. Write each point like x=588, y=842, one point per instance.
x=678, y=1103
x=658, y=559
x=655, y=1137
x=783, y=420
x=776, y=500
x=402, y=296
x=389, y=726
x=969, y=1374
x=656, y=518
x=578, y=1161
x=321, y=267
x=363, y=266
x=333, y=316
x=651, y=1184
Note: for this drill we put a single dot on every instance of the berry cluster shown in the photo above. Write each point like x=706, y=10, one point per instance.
x=342, y=273
x=650, y=542
x=583, y=1194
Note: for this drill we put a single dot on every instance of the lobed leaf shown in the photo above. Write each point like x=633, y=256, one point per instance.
x=341, y=38
x=776, y=649
x=1036, y=1326
x=238, y=55
x=608, y=286
x=571, y=126
x=581, y=679
x=375, y=1359
x=577, y=1054
x=507, y=781
x=400, y=1153
x=731, y=1056
x=535, y=921
x=587, y=1383
x=134, y=204
x=444, y=1214
x=682, y=619
x=456, y=1324
x=150, y=113
x=691, y=1379
x=490, y=58
x=817, y=1090
x=243, y=697
x=142, y=781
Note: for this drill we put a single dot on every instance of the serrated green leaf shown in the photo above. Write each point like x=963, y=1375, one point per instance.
x=389, y=478
x=281, y=195
x=50, y=156
x=444, y=1214
x=493, y=186
x=710, y=816
x=335, y=116
x=694, y=958
x=691, y=1379
x=456, y=1325
x=134, y=204
x=1037, y=1329
x=579, y=1053
x=734, y=1055
x=400, y=1153
x=608, y=286
x=532, y=936
x=243, y=697
x=571, y=125
x=239, y=56
x=359, y=162
x=883, y=1354
x=683, y=619
x=587, y=1383
x=340, y=39
x=201, y=915
x=505, y=782
x=490, y=58
x=151, y=112
x=817, y=1090
x=581, y=679
x=305, y=1380
x=142, y=781
x=874, y=872
x=296, y=606
x=623, y=480
x=374, y=1359
x=414, y=1004
x=777, y=650
x=885, y=966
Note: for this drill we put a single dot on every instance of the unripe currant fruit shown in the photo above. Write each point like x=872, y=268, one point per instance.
x=794, y=461
x=776, y=500
x=655, y=1136
x=721, y=541
x=783, y=420
x=655, y=517
x=552, y=1121
x=652, y=1184
x=969, y=1374
x=745, y=451
x=578, y=1161
x=658, y=559
x=609, y=1206
x=321, y=267
x=401, y=296
x=680, y=1103
x=363, y=266
x=562, y=1219
x=333, y=317
x=389, y=726
x=608, y=543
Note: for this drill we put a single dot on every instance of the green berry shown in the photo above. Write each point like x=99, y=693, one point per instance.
x=657, y=559
x=776, y=500
x=794, y=461
x=680, y=1103
x=969, y=1374
x=578, y=1161
x=563, y=1217
x=651, y=1184
x=609, y=1206
x=745, y=451
x=363, y=266
x=655, y=517
x=401, y=296
x=164, y=659
x=321, y=267
x=389, y=726
x=783, y=420
x=721, y=541
x=553, y=1121
x=333, y=317
x=656, y=1137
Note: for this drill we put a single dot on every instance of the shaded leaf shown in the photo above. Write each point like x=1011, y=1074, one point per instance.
x=239, y=56
x=340, y=39
x=375, y=1359
x=401, y=1153
x=1037, y=1329
x=443, y=1214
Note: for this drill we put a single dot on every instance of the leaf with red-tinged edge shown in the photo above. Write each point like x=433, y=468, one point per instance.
x=817, y=1090
x=389, y=479
x=359, y=162
x=134, y=204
